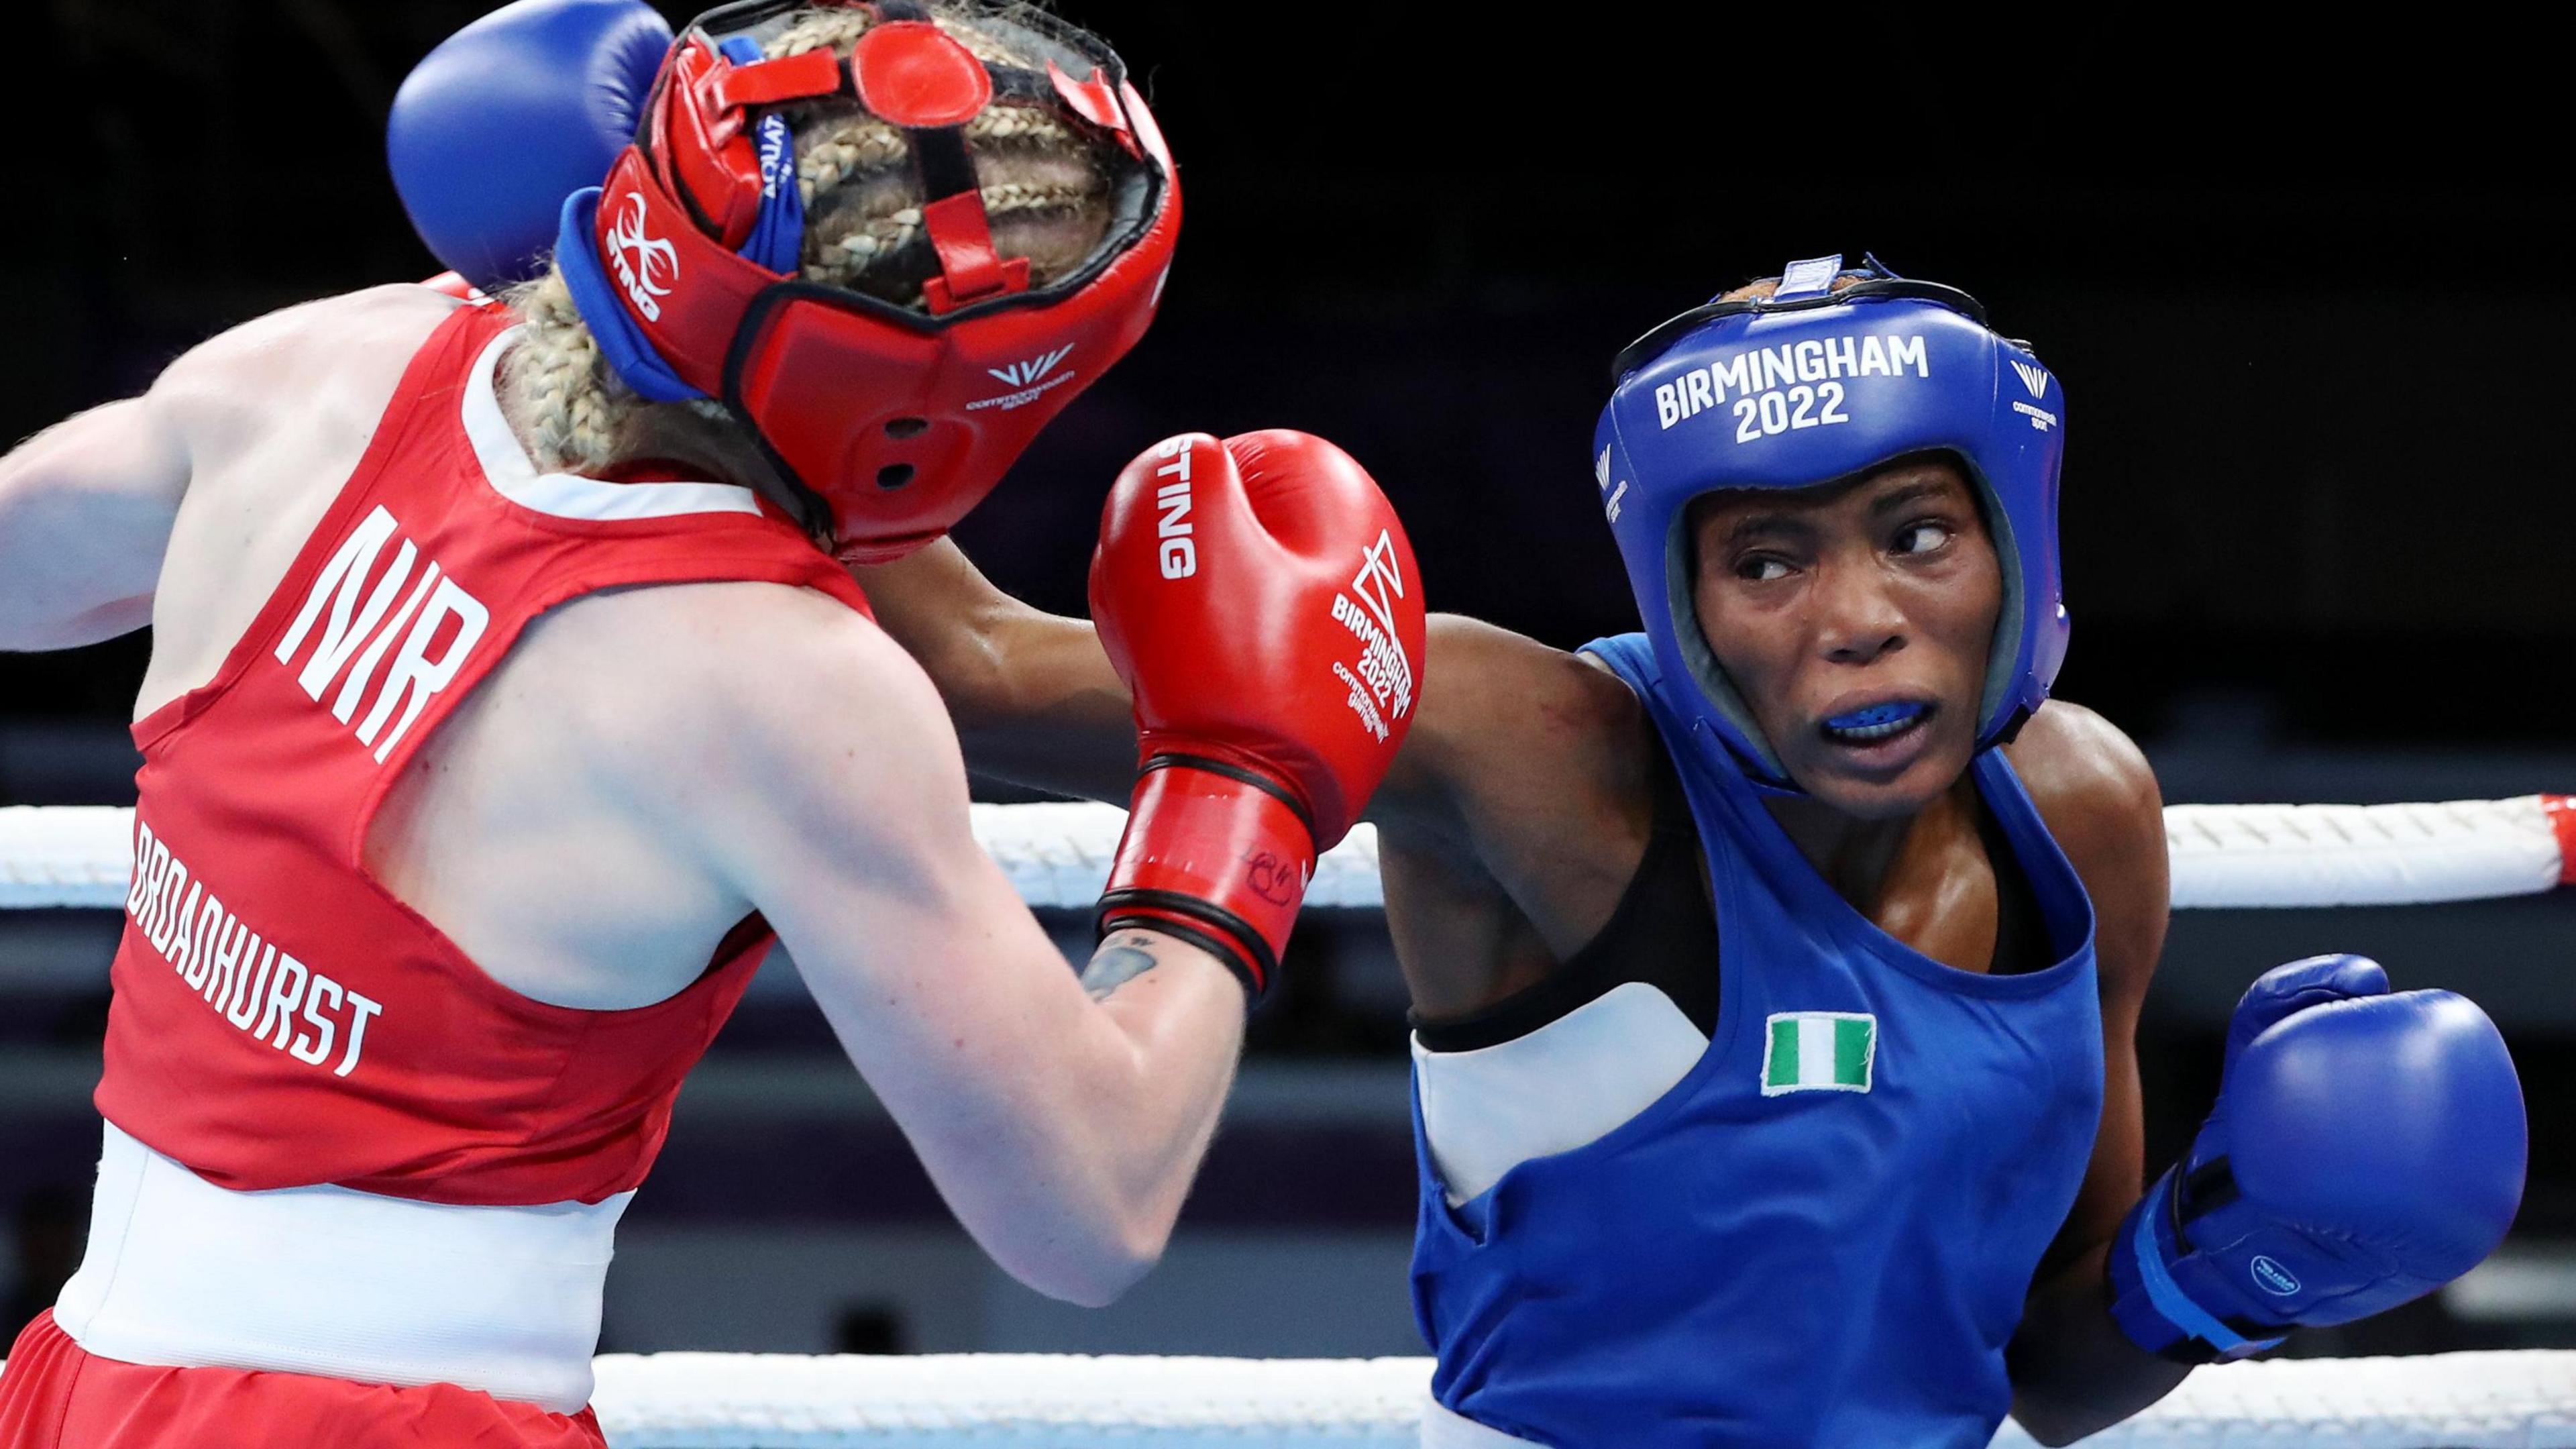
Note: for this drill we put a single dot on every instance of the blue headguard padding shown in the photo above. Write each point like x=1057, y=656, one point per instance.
x=1810, y=387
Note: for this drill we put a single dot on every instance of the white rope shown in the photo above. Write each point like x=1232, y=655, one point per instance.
x=65, y=855
x=2495, y=1400
x=785, y=1401
x=1058, y=855
x=2363, y=855
x=777, y=1401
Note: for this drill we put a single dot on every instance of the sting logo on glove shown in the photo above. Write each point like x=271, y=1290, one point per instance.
x=1179, y=555
x=1247, y=767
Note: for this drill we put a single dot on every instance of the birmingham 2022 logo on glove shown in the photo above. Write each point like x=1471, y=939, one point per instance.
x=626, y=239
x=1383, y=687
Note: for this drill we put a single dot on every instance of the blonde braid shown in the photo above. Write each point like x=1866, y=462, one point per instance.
x=570, y=404
x=816, y=29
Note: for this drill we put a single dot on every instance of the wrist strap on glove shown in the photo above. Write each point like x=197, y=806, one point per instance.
x=1217, y=855
x=2148, y=1303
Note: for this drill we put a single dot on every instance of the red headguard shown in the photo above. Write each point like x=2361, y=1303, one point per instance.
x=901, y=420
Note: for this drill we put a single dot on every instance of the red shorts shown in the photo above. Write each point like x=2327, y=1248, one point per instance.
x=53, y=1395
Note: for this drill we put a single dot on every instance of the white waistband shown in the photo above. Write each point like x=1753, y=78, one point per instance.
x=1444, y=1428
x=323, y=1280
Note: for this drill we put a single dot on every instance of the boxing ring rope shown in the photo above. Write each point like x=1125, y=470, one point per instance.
x=1058, y=856
x=2223, y=855
x=779, y=1401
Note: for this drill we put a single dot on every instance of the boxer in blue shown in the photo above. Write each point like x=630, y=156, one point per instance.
x=1901, y=1136
x=1777, y=968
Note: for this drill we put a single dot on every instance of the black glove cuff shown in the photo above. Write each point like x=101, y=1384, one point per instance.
x=1233, y=942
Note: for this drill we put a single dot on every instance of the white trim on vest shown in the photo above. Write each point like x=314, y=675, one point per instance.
x=1571, y=1082
x=349, y=1285
x=569, y=495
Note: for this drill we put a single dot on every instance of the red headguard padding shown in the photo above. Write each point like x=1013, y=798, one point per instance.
x=900, y=420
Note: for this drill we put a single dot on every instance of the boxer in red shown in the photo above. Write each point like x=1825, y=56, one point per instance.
x=503, y=714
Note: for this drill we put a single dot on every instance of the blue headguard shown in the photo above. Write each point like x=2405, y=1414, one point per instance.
x=1812, y=386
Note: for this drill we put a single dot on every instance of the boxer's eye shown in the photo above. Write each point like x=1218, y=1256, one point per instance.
x=1761, y=568
x=1922, y=536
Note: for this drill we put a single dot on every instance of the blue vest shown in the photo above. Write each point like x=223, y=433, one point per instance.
x=1823, y=1234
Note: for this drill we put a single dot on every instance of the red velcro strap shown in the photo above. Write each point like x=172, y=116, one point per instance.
x=767, y=82
x=702, y=148
x=2561, y=810
x=970, y=270
x=1095, y=102
x=1227, y=857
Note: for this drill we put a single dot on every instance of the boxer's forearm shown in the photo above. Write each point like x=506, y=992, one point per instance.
x=1055, y=716
x=2073, y=1372
x=1035, y=701
x=1033, y=697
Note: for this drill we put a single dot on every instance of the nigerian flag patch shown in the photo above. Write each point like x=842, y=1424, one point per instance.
x=1819, y=1051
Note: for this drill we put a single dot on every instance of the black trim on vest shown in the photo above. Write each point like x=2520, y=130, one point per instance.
x=1664, y=933
x=2021, y=928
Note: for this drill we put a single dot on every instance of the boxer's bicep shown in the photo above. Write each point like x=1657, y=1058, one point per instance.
x=849, y=831
x=85, y=514
x=1507, y=728
x=1514, y=815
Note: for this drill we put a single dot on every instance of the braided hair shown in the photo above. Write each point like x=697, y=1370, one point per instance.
x=1045, y=188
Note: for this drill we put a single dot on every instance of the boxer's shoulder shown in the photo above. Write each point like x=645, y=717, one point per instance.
x=717, y=682
x=2091, y=782
x=2099, y=798
x=315, y=336
x=299, y=365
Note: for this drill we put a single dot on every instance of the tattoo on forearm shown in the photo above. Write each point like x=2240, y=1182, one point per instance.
x=1120, y=959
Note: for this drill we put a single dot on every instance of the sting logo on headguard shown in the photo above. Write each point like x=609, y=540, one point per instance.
x=639, y=258
x=1810, y=386
x=882, y=416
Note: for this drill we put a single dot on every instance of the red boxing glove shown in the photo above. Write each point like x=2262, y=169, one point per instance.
x=1260, y=600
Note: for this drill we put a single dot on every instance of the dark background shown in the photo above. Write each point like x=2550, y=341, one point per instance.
x=2300, y=279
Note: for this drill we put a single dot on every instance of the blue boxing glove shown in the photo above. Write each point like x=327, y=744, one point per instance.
x=512, y=114
x=2366, y=1149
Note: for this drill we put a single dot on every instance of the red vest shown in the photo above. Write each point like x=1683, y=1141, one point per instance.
x=279, y=1018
